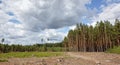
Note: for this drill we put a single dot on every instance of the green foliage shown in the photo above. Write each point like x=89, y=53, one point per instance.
x=5, y=48
x=29, y=54
x=3, y=60
x=100, y=37
x=55, y=49
x=115, y=49
x=2, y=40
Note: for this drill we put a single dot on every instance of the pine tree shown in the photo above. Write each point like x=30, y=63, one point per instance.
x=102, y=36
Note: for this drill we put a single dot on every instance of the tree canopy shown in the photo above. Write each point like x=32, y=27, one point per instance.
x=100, y=37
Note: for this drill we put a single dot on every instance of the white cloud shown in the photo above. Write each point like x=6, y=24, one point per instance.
x=16, y=34
x=72, y=27
x=47, y=13
x=110, y=12
x=3, y=17
x=39, y=19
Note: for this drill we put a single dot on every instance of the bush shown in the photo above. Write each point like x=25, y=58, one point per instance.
x=115, y=49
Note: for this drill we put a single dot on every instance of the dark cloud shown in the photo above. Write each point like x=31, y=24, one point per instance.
x=27, y=21
x=0, y=1
x=15, y=37
x=37, y=15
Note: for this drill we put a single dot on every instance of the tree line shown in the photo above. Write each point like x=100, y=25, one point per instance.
x=96, y=38
x=54, y=47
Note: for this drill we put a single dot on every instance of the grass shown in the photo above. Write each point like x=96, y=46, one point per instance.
x=55, y=49
x=3, y=60
x=114, y=50
x=29, y=54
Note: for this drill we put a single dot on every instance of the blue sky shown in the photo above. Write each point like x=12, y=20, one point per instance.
x=95, y=4
x=28, y=21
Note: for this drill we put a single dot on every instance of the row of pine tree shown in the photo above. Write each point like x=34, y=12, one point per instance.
x=96, y=38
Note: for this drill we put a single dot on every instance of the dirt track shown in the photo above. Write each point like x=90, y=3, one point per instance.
x=70, y=58
x=99, y=58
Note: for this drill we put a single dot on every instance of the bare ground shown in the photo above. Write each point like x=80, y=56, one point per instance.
x=70, y=58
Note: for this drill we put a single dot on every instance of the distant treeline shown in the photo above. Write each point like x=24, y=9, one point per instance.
x=90, y=38
x=4, y=48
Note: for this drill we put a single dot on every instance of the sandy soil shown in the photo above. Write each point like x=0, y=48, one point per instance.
x=70, y=58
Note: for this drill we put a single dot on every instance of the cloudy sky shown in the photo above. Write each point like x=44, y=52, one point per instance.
x=29, y=21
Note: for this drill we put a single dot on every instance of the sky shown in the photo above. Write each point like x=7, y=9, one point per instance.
x=26, y=22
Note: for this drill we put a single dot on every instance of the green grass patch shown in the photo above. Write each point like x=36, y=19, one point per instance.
x=55, y=49
x=29, y=54
x=3, y=60
x=114, y=50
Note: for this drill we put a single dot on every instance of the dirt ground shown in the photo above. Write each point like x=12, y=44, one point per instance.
x=70, y=58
